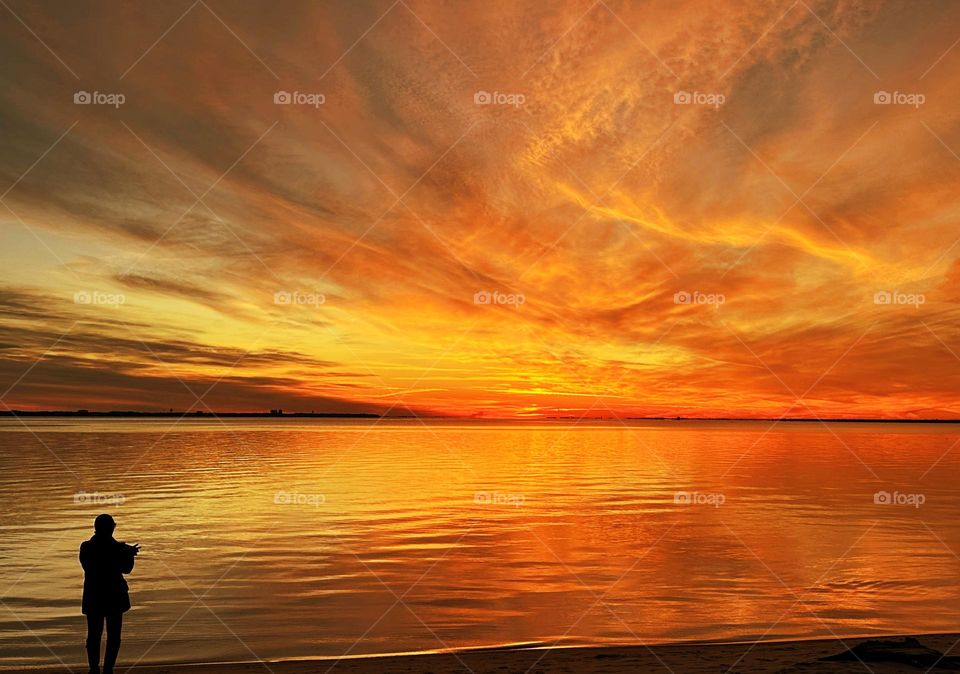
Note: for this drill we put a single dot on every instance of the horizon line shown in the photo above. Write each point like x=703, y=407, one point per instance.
x=279, y=413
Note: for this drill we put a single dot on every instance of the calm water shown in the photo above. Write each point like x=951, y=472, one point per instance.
x=278, y=538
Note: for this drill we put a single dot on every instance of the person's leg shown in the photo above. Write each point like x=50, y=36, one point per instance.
x=94, y=633
x=114, y=627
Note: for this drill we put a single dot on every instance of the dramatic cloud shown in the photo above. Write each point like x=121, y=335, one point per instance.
x=498, y=209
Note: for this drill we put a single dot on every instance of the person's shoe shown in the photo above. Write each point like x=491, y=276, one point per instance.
x=94, y=670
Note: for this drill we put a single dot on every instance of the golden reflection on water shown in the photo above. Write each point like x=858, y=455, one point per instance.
x=325, y=538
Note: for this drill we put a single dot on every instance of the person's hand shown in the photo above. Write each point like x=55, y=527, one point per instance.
x=135, y=548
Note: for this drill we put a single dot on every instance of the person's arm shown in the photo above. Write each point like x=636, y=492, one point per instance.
x=130, y=556
x=84, y=556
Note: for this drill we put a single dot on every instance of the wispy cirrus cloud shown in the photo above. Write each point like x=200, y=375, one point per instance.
x=735, y=150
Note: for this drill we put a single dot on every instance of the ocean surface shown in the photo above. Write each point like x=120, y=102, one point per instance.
x=280, y=538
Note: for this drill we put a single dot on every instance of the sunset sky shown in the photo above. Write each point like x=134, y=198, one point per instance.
x=594, y=164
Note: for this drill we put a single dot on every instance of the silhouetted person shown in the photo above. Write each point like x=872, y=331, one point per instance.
x=105, y=598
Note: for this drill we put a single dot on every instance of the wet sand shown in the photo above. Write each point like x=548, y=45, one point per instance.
x=880, y=655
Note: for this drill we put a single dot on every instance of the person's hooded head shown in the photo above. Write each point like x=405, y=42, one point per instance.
x=104, y=525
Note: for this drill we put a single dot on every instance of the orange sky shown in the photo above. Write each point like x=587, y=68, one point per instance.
x=781, y=198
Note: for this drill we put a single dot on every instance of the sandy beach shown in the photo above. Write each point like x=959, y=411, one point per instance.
x=880, y=655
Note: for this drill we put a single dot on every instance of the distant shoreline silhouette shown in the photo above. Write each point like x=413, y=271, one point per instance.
x=198, y=413
x=279, y=414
